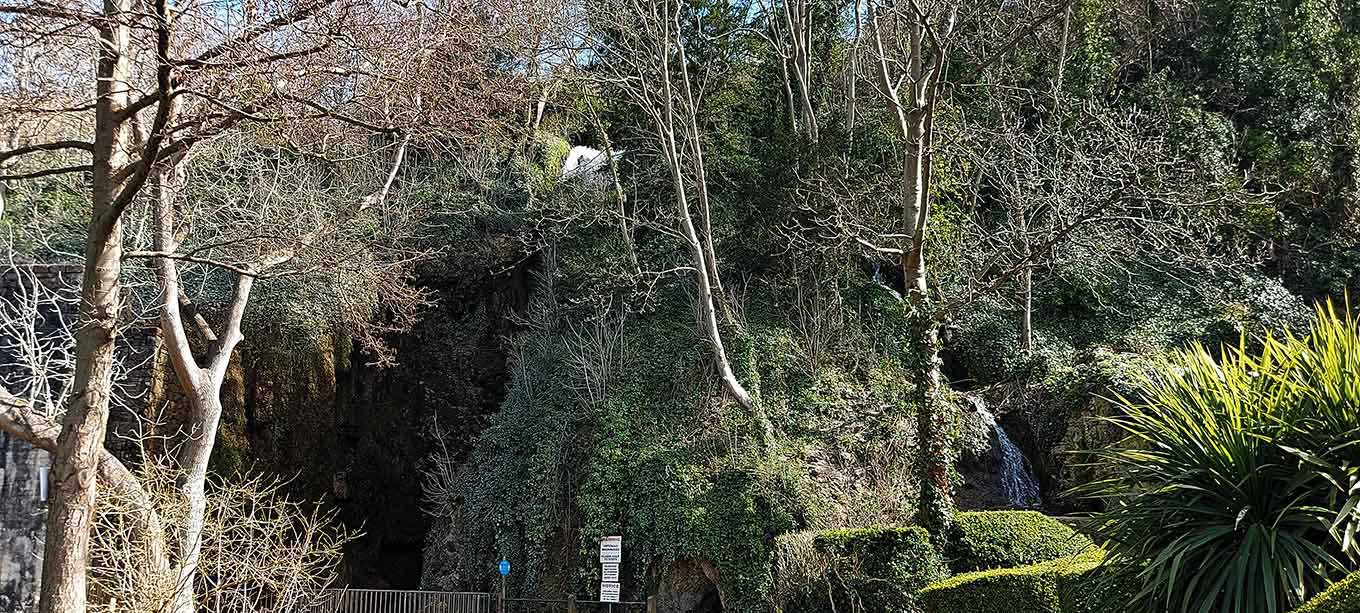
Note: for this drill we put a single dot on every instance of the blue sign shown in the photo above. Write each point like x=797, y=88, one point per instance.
x=505, y=567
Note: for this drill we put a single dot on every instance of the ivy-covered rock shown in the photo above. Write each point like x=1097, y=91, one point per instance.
x=1066, y=585
x=1342, y=597
x=1000, y=539
x=870, y=569
x=613, y=425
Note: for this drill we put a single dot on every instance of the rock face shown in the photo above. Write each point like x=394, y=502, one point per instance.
x=451, y=377
x=23, y=492
x=688, y=587
x=1054, y=423
x=996, y=472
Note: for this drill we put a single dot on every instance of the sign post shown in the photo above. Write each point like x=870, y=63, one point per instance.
x=504, y=568
x=611, y=555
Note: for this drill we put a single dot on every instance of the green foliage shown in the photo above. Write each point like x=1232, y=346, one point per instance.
x=542, y=166
x=1010, y=590
x=1342, y=597
x=867, y=569
x=45, y=219
x=1147, y=315
x=1000, y=539
x=1066, y=585
x=656, y=454
x=1235, y=489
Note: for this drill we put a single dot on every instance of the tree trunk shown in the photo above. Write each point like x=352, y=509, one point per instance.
x=206, y=415
x=700, y=179
x=708, y=316
x=935, y=449
x=912, y=125
x=1027, y=309
x=914, y=202
x=80, y=446
x=202, y=385
x=803, y=70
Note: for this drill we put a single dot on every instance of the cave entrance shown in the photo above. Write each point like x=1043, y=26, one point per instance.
x=689, y=586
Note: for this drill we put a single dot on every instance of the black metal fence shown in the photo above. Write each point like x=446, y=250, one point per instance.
x=403, y=601
x=415, y=601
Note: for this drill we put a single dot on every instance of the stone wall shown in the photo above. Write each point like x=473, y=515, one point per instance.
x=23, y=468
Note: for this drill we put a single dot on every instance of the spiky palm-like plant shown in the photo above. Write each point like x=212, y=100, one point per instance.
x=1236, y=488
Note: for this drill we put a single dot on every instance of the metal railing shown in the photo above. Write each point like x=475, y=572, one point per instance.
x=403, y=601
x=417, y=601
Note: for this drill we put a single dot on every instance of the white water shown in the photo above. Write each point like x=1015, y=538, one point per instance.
x=1022, y=489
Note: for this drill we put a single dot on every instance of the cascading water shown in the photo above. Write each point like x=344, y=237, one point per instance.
x=1022, y=489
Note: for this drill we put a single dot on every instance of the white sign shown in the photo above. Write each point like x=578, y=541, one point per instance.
x=611, y=549
x=609, y=572
x=609, y=592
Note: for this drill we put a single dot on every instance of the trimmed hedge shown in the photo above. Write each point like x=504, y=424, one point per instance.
x=1065, y=585
x=1004, y=539
x=870, y=569
x=1342, y=597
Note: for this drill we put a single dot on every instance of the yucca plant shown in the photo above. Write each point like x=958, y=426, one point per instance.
x=1322, y=428
x=1236, y=488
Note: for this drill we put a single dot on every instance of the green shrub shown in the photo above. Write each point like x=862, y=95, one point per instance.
x=1342, y=597
x=1065, y=585
x=1004, y=590
x=871, y=570
x=1085, y=586
x=1236, y=488
x=1001, y=539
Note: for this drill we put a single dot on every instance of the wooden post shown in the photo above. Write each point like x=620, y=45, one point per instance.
x=571, y=603
x=651, y=604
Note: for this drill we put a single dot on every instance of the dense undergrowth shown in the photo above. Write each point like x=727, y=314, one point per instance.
x=611, y=425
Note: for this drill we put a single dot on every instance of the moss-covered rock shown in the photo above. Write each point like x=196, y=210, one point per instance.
x=1342, y=597
x=1001, y=539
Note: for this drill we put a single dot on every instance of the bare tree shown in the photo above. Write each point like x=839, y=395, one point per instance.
x=1099, y=185
x=790, y=25
x=913, y=43
x=261, y=552
x=168, y=78
x=285, y=233
x=648, y=62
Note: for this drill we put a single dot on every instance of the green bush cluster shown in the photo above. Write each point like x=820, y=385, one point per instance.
x=867, y=569
x=1067, y=585
x=882, y=569
x=1001, y=539
x=1342, y=597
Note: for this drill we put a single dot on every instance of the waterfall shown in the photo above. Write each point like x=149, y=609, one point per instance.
x=1022, y=489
